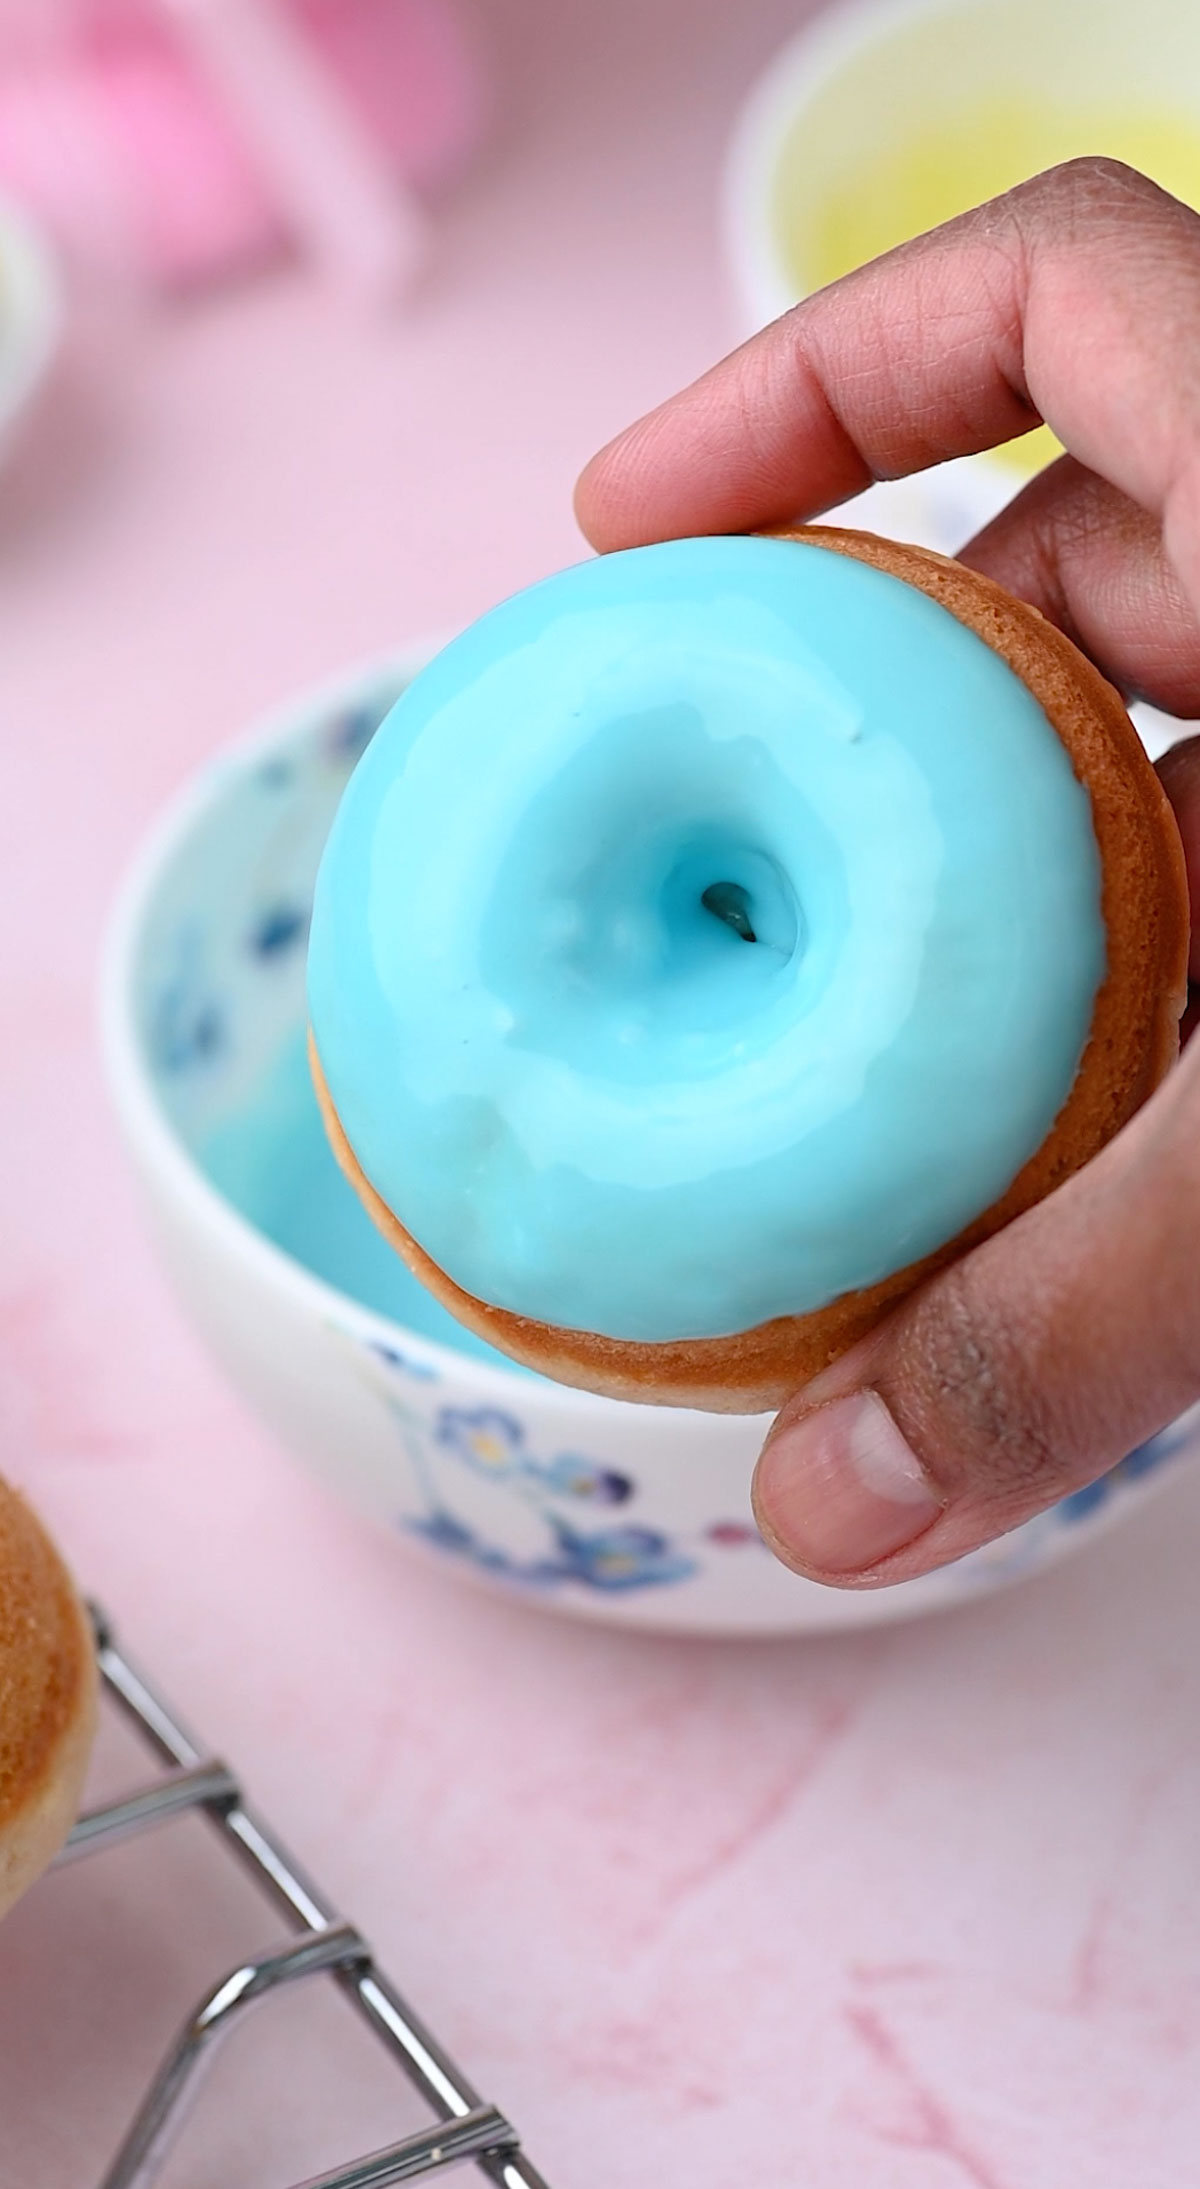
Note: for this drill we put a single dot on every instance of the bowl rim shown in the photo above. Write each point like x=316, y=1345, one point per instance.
x=796, y=74
x=153, y=1142
x=32, y=323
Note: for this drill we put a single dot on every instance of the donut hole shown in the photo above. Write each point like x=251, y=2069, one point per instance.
x=668, y=947
x=644, y=922
x=679, y=935
x=722, y=894
x=728, y=901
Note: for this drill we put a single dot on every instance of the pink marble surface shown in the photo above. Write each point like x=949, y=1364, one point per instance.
x=910, y=1911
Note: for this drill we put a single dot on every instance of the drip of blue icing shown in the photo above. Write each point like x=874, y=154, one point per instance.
x=709, y=931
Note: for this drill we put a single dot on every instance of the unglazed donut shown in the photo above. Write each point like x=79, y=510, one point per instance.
x=47, y=1698
x=720, y=937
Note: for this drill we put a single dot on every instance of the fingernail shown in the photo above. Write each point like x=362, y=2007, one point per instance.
x=840, y=1489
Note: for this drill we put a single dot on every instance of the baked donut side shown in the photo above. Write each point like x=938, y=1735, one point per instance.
x=1132, y=1041
x=48, y=1688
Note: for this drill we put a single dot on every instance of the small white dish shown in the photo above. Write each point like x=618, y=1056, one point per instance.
x=633, y=1514
x=31, y=317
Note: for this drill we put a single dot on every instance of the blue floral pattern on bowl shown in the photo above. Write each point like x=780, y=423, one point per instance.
x=493, y=1442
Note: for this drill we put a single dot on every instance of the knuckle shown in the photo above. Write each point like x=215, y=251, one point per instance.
x=984, y=1406
x=1095, y=182
x=1094, y=199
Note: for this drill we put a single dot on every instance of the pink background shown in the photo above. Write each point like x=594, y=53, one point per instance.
x=911, y=1911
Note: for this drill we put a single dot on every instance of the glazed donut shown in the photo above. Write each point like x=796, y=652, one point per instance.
x=47, y=1698
x=720, y=937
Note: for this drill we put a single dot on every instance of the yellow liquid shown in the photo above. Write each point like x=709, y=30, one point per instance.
x=899, y=190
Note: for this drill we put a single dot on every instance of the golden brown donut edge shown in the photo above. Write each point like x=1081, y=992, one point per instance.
x=47, y=1698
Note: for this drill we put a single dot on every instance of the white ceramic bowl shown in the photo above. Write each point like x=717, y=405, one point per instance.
x=1045, y=79
x=31, y=316
x=631, y=1514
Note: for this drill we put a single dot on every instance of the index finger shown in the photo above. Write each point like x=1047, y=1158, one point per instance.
x=1074, y=299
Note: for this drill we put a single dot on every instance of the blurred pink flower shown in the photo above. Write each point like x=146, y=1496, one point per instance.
x=112, y=135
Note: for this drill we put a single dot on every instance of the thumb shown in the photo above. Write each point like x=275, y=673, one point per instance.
x=1018, y=1375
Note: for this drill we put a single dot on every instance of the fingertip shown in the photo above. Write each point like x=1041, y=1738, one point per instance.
x=590, y=499
x=1179, y=773
x=623, y=494
x=838, y=1491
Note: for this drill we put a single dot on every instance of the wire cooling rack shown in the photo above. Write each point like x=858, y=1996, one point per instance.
x=466, y=2130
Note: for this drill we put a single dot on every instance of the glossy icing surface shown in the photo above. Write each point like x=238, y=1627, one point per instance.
x=709, y=931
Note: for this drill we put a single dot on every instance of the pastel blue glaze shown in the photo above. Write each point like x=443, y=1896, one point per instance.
x=271, y=1159
x=590, y=1097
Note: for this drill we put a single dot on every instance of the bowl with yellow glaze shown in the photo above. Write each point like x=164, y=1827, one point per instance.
x=884, y=118
x=635, y=1515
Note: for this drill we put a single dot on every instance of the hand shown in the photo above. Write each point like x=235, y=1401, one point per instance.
x=1041, y=1358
